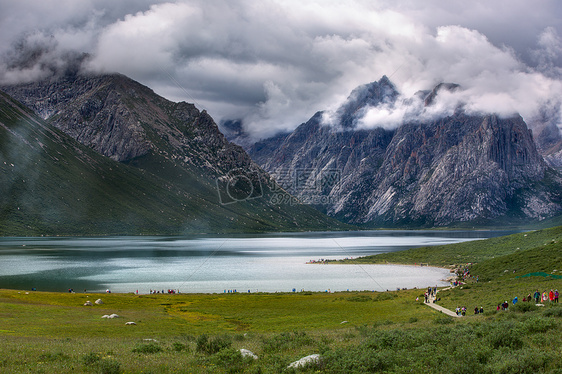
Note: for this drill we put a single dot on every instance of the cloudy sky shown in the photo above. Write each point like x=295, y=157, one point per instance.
x=273, y=64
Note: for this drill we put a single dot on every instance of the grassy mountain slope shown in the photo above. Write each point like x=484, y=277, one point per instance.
x=53, y=185
x=475, y=251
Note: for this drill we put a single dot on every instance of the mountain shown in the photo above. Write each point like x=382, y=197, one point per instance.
x=548, y=135
x=112, y=157
x=458, y=169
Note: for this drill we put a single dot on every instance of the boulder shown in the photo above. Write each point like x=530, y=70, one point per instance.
x=246, y=353
x=88, y=303
x=99, y=302
x=111, y=316
x=130, y=323
x=312, y=359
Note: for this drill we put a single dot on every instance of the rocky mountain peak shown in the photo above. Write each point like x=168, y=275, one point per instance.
x=431, y=172
x=363, y=97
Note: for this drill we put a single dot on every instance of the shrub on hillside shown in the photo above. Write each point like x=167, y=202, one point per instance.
x=214, y=345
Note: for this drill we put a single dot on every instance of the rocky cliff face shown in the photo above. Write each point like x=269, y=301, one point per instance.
x=548, y=135
x=124, y=120
x=459, y=168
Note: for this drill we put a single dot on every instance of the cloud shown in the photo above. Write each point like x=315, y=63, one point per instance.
x=273, y=64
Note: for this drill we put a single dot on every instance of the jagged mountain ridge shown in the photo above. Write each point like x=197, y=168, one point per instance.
x=175, y=146
x=459, y=168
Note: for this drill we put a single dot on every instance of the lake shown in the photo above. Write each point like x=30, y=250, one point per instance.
x=255, y=263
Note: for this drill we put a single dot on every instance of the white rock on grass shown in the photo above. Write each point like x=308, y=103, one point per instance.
x=246, y=353
x=99, y=302
x=88, y=303
x=110, y=316
x=130, y=323
x=312, y=359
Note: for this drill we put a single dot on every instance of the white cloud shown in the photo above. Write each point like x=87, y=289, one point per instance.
x=275, y=63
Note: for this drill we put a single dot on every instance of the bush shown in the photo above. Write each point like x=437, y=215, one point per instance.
x=178, y=347
x=48, y=356
x=212, y=346
x=553, y=311
x=147, y=348
x=232, y=359
x=443, y=320
x=91, y=358
x=286, y=341
x=523, y=307
x=505, y=338
x=539, y=324
x=109, y=366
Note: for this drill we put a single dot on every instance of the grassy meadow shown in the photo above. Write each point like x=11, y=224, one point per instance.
x=354, y=332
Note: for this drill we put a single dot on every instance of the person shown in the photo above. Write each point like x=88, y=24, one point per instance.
x=556, y=294
x=544, y=296
x=458, y=311
x=476, y=310
x=515, y=300
x=551, y=295
x=537, y=296
x=481, y=310
x=498, y=308
x=529, y=297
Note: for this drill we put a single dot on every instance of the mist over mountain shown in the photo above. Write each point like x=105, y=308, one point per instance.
x=425, y=167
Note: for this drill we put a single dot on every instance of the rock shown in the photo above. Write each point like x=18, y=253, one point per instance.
x=343, y=322
x=105, y=316
x=312, y=359
x=246, y=353
x=113, y=315
x=99, y=302
x=130, y=323
x=88, y=303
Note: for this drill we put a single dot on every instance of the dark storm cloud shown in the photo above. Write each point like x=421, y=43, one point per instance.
x=274, y=63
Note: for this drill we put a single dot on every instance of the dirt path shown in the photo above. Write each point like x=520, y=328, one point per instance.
x=439, y=307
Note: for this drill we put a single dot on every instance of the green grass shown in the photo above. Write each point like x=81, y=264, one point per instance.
x=386, y=332
x=467, y=252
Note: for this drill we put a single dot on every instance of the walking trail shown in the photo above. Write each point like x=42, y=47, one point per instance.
x=439, y=307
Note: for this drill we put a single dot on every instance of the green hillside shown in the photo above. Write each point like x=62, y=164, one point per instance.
x=52, y=185
x=353, y=332
x=468, y=252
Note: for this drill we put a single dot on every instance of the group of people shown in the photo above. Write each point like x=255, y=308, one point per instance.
x=537, y=297
x=170, y=291
x=551, y=296
x=461, y=311
x=431, y=292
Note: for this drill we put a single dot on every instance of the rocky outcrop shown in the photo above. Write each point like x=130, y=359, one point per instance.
x=458, y=168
